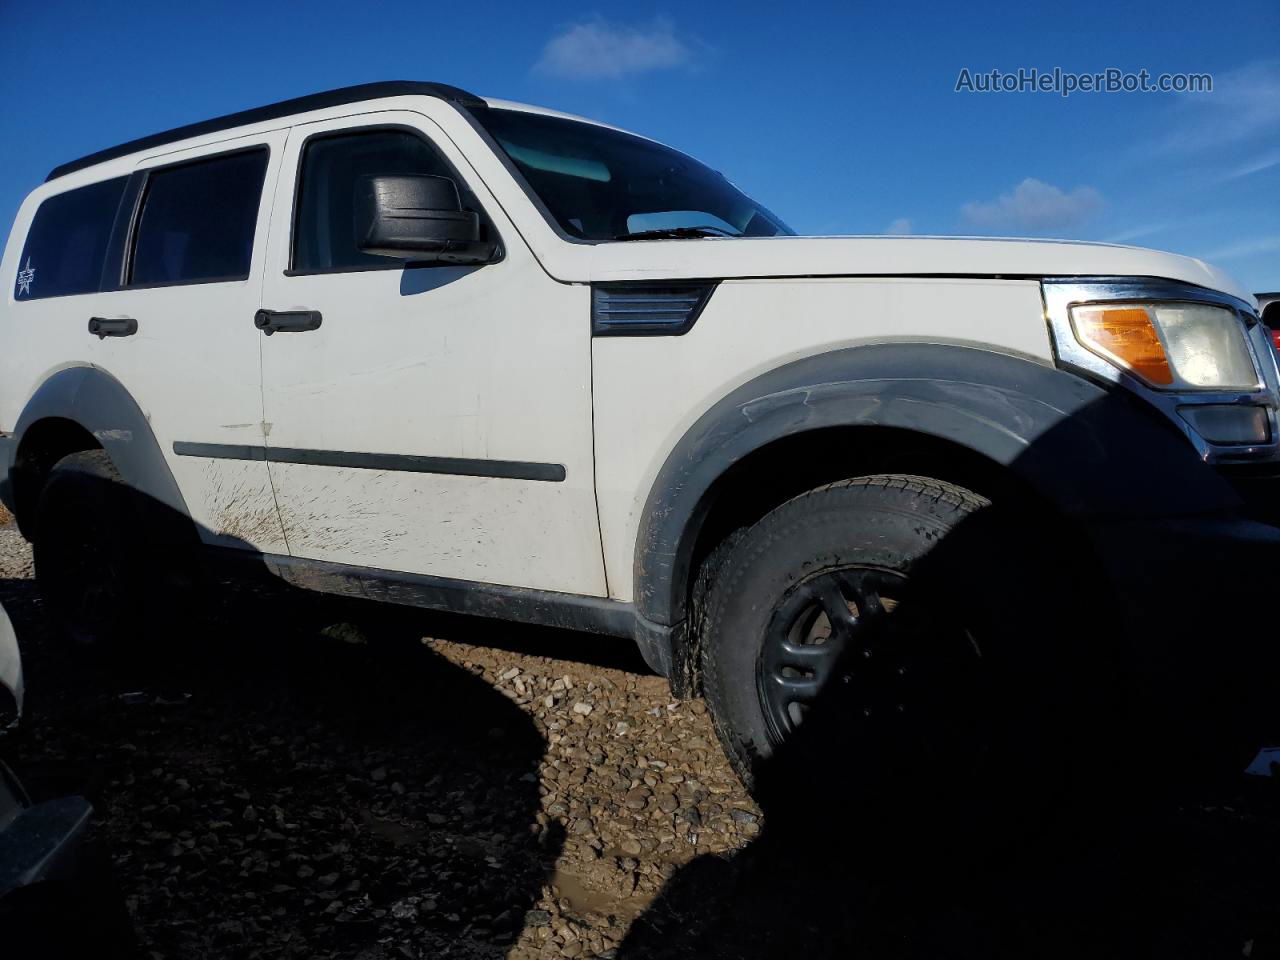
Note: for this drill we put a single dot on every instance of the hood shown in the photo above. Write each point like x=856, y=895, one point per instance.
x=724, y=258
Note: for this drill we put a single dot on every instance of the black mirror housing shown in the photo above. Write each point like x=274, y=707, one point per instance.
x=418, y=218
x=1271, y=314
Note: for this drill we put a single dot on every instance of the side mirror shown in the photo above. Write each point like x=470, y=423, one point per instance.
x=418, y=218
x=1271, y=315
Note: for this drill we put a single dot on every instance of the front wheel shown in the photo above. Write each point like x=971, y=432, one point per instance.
x=893, y=641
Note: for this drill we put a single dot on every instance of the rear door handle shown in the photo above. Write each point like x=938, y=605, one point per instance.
x=286, y=321
x=103, y=327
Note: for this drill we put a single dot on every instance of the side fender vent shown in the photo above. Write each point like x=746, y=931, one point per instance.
x=645, y=309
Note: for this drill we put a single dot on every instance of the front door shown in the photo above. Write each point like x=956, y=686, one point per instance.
x=438, y=419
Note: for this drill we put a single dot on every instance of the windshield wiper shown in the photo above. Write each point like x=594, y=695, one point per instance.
x=677, y=233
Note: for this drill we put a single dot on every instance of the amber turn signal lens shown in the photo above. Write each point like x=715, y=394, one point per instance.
x=1128, y=335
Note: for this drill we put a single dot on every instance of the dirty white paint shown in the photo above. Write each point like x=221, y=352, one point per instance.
x=750, y=327
x=10, y=660
x=193, y=367
x=487, y=529
x=239, y=508
x=479, y=363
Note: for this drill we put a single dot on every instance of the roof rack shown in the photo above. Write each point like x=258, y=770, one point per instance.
x=315, y=101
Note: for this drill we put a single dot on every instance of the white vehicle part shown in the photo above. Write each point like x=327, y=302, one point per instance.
x=10, y=660
x=194, y=369
x=486, y=367
x=751, y=326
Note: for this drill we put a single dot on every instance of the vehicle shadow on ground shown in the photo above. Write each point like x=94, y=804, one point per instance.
x=282, y=788
x=1032, y=793
x=1132, y=858
x=302, y=778
x=1190, y=883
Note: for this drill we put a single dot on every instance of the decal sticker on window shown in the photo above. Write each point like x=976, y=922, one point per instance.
x=25, y=276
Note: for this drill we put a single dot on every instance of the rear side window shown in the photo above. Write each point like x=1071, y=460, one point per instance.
x=324, y=233
x=67, y=242
x=198, y=220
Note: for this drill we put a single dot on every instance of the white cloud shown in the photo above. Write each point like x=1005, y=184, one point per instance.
x=1245, y=248
x=598, y=49
x=1256, y=165
x=1036, y=206
x=1248, y=99
x=900, y=227
x=1137, y=233
x=1172, y=227
x=1243, y=105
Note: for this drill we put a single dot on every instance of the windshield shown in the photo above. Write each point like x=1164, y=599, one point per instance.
x=601, y=184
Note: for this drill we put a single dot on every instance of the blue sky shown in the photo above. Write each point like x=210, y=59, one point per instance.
x=841, y=117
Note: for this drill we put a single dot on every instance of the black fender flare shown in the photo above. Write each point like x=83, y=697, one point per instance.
x=1084, y=448
x=98, y=402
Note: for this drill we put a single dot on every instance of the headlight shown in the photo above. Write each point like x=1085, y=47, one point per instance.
x=1172, y=346
x=1198, y=356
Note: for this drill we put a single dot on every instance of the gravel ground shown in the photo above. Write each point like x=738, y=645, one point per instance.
x=320, y=779
x=306, y=778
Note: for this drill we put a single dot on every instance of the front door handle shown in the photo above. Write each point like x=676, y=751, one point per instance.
x=286, y=321
x=103, y=327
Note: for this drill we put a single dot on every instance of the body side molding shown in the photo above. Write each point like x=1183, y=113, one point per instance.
x=408, y=463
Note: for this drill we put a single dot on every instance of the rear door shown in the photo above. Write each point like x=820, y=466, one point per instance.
x=193, y=279
x=438, y=420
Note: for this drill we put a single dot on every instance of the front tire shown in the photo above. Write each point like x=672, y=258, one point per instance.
x=886, y=639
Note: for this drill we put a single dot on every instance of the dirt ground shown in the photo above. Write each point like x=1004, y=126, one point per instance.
x=296, y=777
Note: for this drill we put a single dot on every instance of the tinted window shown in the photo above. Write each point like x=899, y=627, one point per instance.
x=324, y=234
x=67, y=242
x=198, y=219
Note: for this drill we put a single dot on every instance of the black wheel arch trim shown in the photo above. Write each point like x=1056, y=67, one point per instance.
x=100, y=404
x=1088, y=451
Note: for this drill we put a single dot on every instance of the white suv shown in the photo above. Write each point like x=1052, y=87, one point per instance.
x=401, y=342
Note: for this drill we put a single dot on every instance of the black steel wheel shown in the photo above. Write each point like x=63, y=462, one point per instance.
x=837, y=627
x=885, y=638
x=824, y=630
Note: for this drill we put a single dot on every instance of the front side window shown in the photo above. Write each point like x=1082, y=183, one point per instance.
x=198, y=220
x=67, y=242
x=324, y=232
x=601, y=184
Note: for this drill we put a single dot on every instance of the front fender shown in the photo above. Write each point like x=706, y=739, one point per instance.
x=1088, y=451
